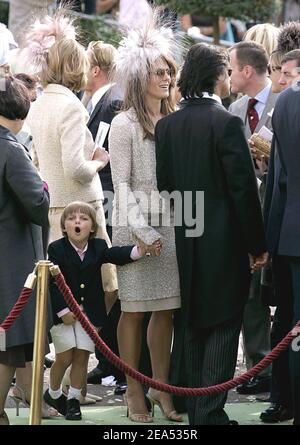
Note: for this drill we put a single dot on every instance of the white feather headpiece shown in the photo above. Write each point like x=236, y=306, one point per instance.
x=141, y=47
x=44, y=33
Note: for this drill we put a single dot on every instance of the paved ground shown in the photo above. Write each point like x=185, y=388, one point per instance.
x=110, y=410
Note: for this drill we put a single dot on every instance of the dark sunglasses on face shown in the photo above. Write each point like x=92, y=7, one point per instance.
x=160, y=72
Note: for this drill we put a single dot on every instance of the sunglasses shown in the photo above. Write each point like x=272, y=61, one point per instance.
x=160, y=72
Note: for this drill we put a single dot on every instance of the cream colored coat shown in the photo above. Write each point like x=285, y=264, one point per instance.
x=63, y=147
x=62, y=150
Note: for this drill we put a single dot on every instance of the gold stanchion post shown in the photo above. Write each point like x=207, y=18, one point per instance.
x=39, y=342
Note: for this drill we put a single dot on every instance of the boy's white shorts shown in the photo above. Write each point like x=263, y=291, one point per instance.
x=66, y=337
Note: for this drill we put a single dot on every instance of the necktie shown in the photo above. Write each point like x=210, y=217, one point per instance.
x=252, y=114
x=89, y=107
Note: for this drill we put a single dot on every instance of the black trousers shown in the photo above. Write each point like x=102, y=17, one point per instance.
x=109, y=336
x=281, y=384
x=294, y=356
x=210, y=358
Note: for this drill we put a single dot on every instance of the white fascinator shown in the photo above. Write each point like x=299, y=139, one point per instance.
x=141, y=47
x=44, y=33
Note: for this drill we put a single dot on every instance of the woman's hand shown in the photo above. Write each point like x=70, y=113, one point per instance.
x=101, y=156
x=152, y=250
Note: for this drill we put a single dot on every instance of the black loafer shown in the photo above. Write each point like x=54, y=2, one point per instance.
x=276, y=413
x=95, y=376
x=48, y=362
x=59, y=404
x=120, y=389
x=73, y=410
x=255, y=386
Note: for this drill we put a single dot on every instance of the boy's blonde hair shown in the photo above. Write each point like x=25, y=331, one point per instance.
x=67, y=65
x=83, y=207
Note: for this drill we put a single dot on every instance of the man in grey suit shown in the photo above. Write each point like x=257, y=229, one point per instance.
x=249, y=64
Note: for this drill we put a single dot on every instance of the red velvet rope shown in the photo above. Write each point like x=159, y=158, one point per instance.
x=180, y=391
x=17, y=309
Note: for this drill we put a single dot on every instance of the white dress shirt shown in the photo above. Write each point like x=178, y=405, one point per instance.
x=262, y=98
x=98, y=95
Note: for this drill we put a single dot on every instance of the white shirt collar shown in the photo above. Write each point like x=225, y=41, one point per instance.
x=211, y=96
x=206, y=96
x=77, y=248
x=99, y=94
x=263, y=95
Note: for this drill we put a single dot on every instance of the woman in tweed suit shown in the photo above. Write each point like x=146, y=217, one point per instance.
x=63, y=146
x=152, y=285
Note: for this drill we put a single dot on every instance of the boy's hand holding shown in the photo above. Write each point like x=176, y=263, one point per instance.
x=68, y=318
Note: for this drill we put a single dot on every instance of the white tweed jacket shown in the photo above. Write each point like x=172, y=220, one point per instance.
x=63, y=147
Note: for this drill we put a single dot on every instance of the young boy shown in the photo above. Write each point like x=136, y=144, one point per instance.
x=80, y=256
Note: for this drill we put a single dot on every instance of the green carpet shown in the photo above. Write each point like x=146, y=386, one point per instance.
x=244, y=413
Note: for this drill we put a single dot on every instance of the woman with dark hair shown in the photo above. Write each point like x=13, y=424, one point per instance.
x=24, y=204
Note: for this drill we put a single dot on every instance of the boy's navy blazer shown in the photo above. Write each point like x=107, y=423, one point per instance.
x=84, y=277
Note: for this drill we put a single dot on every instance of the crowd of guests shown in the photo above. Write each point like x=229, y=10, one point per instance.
x=196, y=293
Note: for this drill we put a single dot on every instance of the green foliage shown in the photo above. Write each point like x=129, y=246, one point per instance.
x=4, y=9
x=260, y=10
x=98, y=29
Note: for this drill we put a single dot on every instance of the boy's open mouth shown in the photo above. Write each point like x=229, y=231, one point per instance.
x=77, y=229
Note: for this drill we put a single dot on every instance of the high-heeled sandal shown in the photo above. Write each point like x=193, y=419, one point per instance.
x=134, y=417
x=19, y=399
x=46, y=413
x=4, y=419
x=171, y=415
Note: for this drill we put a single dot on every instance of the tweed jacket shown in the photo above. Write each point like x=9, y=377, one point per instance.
x=239, y=108
x=63, y=147
x=133, y=165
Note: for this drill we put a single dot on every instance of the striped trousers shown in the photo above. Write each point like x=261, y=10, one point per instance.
x=210, y=358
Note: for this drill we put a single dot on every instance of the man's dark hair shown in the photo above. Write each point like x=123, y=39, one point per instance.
x=289, y=37
x=253, y=54
x=14, y=98
x=292, y=55
x=201, y=70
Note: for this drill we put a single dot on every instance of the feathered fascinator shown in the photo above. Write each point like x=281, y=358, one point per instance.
x=43, y=34
x=141, y=47
x=289, y=37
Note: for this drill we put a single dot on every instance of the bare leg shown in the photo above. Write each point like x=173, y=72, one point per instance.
x=129, y=340
x=23, y=382
x=79, y=368
x=6, y=376
x=58, y=369
x=159, y=337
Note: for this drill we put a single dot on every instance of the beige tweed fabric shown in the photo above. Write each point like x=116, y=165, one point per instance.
x=64, y=147
x=62, y=150
x=133, y=166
